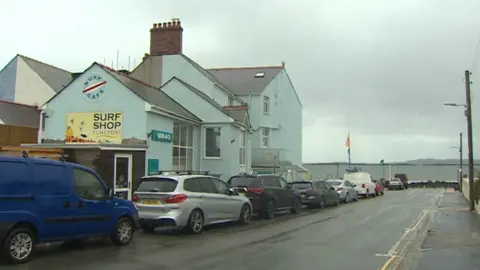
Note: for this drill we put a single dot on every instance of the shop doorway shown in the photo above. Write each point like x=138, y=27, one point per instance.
x=123, y=175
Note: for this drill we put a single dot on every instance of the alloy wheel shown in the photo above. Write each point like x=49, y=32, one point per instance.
x=196, y=222
x=21, y=246
x=125, y=231
x=247, y=214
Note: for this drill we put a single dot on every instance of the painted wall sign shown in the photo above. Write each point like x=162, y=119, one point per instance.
x=161, y=136
x=94, y=127
x=94, y=88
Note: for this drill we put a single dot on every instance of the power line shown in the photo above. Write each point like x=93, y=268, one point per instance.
x=476, y=57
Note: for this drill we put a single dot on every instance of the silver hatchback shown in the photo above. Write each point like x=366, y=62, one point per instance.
x=188, y=201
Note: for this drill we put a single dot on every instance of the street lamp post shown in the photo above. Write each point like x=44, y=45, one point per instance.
x=468, y=114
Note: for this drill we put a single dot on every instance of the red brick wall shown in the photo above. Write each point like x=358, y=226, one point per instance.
x=166, y=38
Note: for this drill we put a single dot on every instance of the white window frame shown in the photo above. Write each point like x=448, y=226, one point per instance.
x=243, y=147
x=205, y=142
x=266, y=105
x=189, y=164
x=265, y=135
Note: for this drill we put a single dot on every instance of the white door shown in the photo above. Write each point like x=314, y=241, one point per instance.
x=123, y=175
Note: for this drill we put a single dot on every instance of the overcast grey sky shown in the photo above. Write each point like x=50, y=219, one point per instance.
x=378, y=69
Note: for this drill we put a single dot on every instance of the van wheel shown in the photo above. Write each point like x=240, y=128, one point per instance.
x=196, y=222
x=19, y=246
x=123, y=233
x=270, y=210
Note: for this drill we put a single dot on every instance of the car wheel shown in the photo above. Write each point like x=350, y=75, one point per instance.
x=270, y=210
x=296, y=206
x=195, y=222
x=147, y=229
x=19, y=246
x=347, y=199
x=322, y=203
x=123, y=233
x=245, y=214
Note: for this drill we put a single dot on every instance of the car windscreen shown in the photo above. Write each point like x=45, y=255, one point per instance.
x=302, y=185
x=335, y=183
x=241, y=181
x=157, y=184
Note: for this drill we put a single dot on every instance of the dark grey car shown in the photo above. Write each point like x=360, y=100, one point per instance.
x=316, y=193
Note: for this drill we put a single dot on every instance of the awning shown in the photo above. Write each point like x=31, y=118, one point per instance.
x=114, y=147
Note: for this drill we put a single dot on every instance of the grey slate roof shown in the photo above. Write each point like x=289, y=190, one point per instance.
x=237, y=117
x=242, y=81
x=16, y=114
x=55, y=77
x=152, y=95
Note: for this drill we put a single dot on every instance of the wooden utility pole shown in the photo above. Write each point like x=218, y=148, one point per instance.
x=460, y=171
x=468, y=114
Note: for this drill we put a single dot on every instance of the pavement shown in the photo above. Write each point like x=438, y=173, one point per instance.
x=451, y=239
x=377, y=233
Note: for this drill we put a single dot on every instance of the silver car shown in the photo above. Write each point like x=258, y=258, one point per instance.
x=345, y=189
x=188, y=201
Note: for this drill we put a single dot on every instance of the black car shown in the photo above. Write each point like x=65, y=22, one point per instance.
x=317, y=193
x=267, y=193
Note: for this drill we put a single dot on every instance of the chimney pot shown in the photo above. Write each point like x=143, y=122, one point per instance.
x=154, y=25
x=167, y=38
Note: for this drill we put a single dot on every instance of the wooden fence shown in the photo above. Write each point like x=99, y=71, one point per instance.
x=55, y=154
x=15, y=135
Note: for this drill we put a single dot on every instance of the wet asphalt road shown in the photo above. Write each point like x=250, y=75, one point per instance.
x=359, y=235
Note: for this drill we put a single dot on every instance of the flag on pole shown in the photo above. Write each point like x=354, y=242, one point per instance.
x=347, y=144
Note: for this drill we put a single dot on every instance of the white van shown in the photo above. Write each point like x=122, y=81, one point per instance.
x=363, y=182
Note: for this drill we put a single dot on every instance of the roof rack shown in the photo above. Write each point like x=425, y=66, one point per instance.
x=185, y=172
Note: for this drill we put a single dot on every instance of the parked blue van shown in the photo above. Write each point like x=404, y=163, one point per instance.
x=44, y=200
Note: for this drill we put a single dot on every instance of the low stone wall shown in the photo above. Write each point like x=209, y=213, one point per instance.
x=466, y=193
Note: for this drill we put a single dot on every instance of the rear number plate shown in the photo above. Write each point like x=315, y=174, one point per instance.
x=152, y=202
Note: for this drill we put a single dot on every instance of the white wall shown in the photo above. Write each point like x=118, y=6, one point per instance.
x=30, y=87
x=194, y=103
x=466, y=193
x=158, y=70
x=284, y=120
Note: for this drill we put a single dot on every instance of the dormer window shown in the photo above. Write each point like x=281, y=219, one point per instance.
x=260, y=75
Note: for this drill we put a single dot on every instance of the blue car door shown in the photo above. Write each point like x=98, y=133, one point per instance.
x=91, y=204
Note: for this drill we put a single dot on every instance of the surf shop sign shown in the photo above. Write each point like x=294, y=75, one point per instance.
x=94, y=127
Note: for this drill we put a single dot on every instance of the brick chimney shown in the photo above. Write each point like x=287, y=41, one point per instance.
x=166, y=38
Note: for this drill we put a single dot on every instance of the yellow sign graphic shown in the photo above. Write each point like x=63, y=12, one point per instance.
x=94, y=127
